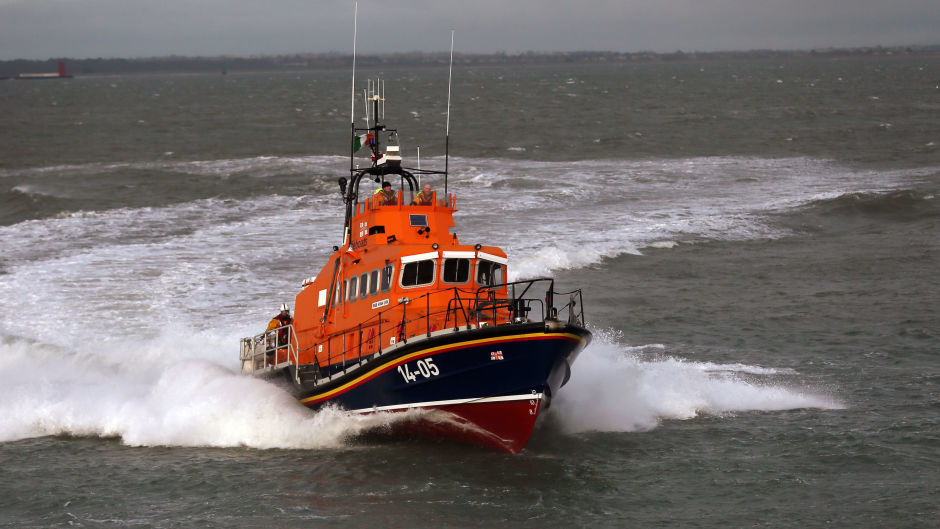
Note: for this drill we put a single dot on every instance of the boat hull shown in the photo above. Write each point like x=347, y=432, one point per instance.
x=486, y=386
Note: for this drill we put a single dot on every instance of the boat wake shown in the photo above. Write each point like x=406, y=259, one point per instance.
x=150, y=397
x=158, y=393
x=616, y=388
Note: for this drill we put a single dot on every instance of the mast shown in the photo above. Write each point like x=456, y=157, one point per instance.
x=374, y=99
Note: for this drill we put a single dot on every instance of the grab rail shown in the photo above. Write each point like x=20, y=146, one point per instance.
x=481, y=307
x=264, y=350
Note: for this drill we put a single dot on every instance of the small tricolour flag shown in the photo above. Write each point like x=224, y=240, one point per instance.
x=364, y=139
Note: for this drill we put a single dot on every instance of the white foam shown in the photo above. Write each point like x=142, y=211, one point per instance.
x=618, y=388
x=259, y=166
x=556, y=215
x=181, y=389
x=35, y=191
x=664, y=245
x=172, y=398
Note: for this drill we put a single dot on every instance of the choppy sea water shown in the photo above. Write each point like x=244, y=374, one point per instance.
x=757, y=242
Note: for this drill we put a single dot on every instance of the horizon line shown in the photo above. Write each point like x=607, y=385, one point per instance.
x=908, y=48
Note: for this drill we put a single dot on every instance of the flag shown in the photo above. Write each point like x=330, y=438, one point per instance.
x=359, y=141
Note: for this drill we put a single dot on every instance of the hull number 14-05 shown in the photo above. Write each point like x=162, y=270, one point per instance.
x=424, y=368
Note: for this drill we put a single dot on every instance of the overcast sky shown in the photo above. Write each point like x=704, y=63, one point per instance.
x=40, y=29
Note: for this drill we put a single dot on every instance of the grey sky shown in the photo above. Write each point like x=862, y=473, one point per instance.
x=40, y=29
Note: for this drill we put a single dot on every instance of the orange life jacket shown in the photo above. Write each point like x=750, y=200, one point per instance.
x=422, y=200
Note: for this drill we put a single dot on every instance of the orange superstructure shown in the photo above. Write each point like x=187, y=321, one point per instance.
x=401, y=273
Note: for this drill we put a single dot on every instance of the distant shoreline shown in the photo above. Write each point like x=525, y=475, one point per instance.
x=334, y=60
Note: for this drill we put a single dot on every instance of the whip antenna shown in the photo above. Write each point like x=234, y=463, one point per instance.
x=450, y=73
x=352, y=96
x=352, y=102
x=365, y=99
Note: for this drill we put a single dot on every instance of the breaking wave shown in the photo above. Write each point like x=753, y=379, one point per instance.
x=182, y=389
x=902, y=205
x=617, y=388
x=157, y=396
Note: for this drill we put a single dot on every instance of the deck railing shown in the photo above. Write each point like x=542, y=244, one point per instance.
x=373, y=202
x=269, y=349
x=414, y=319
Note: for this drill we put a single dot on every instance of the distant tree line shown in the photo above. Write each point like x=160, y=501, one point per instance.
x=310, y=61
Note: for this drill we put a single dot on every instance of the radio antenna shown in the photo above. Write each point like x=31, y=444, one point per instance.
x=352, y=96
x=352, y=101
x=450, y=74
x=365, y=100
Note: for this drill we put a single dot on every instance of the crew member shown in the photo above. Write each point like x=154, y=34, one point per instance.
x=385, y=196
x=280, y=322
x=425, y=197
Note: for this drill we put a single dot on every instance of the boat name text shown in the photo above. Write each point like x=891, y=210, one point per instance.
x=424, y=368
x=380, y=303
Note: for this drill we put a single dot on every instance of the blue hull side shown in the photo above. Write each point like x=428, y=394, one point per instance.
x=462, y=367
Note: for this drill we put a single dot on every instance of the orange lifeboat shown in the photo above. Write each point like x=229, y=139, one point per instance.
x=403, y=316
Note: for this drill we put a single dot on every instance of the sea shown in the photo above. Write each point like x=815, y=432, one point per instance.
x=757, y=242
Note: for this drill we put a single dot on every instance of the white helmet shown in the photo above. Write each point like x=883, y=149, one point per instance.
x=284, y=307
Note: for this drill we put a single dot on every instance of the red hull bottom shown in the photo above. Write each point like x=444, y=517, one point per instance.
x=504, y=425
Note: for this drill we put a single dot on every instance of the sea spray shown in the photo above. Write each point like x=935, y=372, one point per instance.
x=621, y=388
x=160, y=399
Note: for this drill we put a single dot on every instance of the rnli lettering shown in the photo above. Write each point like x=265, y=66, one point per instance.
x=424, y=368
x=381, y=303
x=355, y=245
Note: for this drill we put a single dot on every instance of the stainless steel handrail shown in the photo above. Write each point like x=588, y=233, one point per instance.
x=262, y=345
x=463, y=308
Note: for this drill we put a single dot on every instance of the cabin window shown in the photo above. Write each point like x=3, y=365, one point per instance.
x=374, y=282
x=456, y=271
x=387, y=271
x=489, y=273
x=418, y=220
x=353, y=283
x=363, y=285
x=338, y=297
x=417, y=273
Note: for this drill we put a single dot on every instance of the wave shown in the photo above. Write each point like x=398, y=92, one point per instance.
x=258, y=166
x=548, y=216
x=617, y=388
x=38, y=193
x=24, y=202
x=902, y=205
x=182, y=389
x=157, y=395
x=114, y=232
